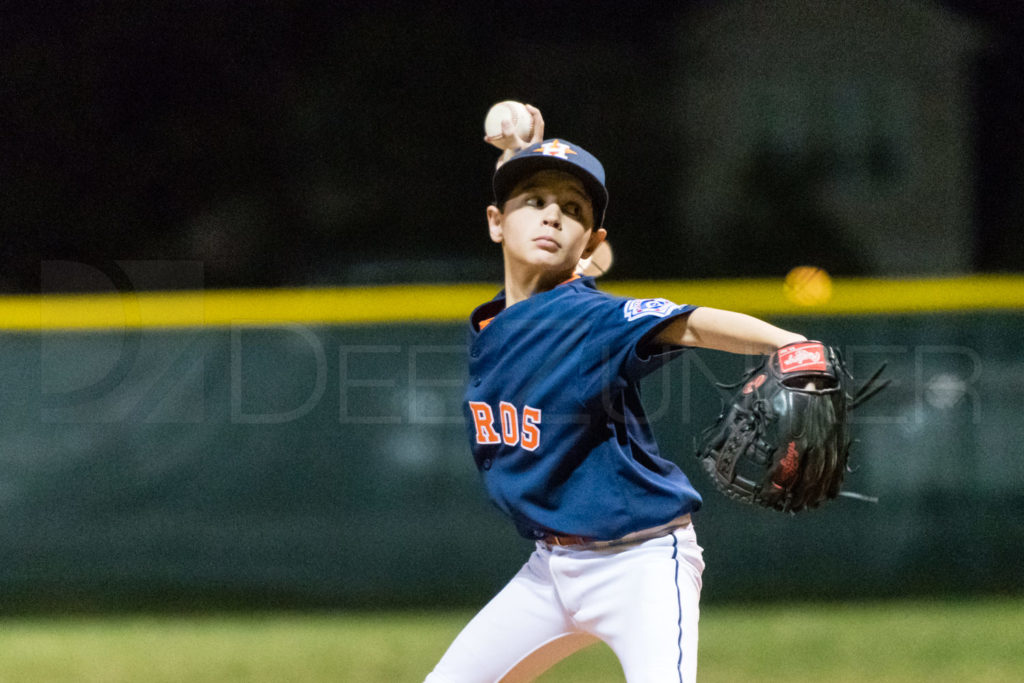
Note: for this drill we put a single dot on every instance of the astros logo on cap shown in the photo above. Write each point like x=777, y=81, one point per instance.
x=555, y=148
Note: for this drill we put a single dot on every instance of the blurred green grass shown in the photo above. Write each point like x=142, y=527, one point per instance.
x=963, y=641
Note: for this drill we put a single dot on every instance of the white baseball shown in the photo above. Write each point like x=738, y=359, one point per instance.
x=509, y=110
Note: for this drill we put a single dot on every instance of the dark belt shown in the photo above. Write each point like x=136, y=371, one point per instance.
x=560, y=539
x=583, y=542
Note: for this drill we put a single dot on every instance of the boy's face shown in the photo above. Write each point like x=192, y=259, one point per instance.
x=547, y=222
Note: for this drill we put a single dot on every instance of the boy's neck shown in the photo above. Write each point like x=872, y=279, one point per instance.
x=521, y=286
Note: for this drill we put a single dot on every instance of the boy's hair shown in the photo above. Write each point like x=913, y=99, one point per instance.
x=558, y=155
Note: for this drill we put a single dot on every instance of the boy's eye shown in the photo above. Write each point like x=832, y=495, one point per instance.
x=569, y=208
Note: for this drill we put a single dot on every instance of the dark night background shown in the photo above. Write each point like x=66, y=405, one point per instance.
x=340, y=142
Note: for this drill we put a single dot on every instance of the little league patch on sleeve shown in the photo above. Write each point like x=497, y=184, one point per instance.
x=638, y=308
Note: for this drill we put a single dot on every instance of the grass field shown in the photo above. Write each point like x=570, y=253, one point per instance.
x=887, y=642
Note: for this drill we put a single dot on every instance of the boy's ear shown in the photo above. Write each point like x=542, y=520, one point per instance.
x=596, y=237
x=494, y=217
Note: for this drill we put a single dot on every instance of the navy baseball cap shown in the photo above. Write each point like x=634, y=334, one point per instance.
x=559, y=155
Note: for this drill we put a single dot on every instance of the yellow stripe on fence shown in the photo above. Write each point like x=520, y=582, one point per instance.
x=849, y=296
x=451, y=303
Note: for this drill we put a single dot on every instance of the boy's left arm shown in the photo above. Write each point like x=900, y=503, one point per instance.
x=712, y=328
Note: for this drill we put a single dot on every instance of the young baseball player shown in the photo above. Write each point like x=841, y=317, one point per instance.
x=559, y=436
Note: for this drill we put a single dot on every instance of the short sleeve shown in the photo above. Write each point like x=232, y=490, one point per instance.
x=615, y=354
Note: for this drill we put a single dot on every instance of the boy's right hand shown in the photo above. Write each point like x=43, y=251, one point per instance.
x=518, y=143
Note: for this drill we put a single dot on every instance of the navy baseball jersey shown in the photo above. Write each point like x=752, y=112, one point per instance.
x=555, y=421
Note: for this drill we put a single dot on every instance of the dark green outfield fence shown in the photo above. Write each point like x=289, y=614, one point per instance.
x=300, y=466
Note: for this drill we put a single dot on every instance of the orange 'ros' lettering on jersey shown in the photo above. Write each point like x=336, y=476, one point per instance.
x=510, y=431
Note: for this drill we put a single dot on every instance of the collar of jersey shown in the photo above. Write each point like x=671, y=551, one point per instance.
x=501, y=295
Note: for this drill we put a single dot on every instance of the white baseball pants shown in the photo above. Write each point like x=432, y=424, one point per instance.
x=642, y=600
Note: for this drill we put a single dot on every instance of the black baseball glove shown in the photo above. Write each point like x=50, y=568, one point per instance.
x=783, y=441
